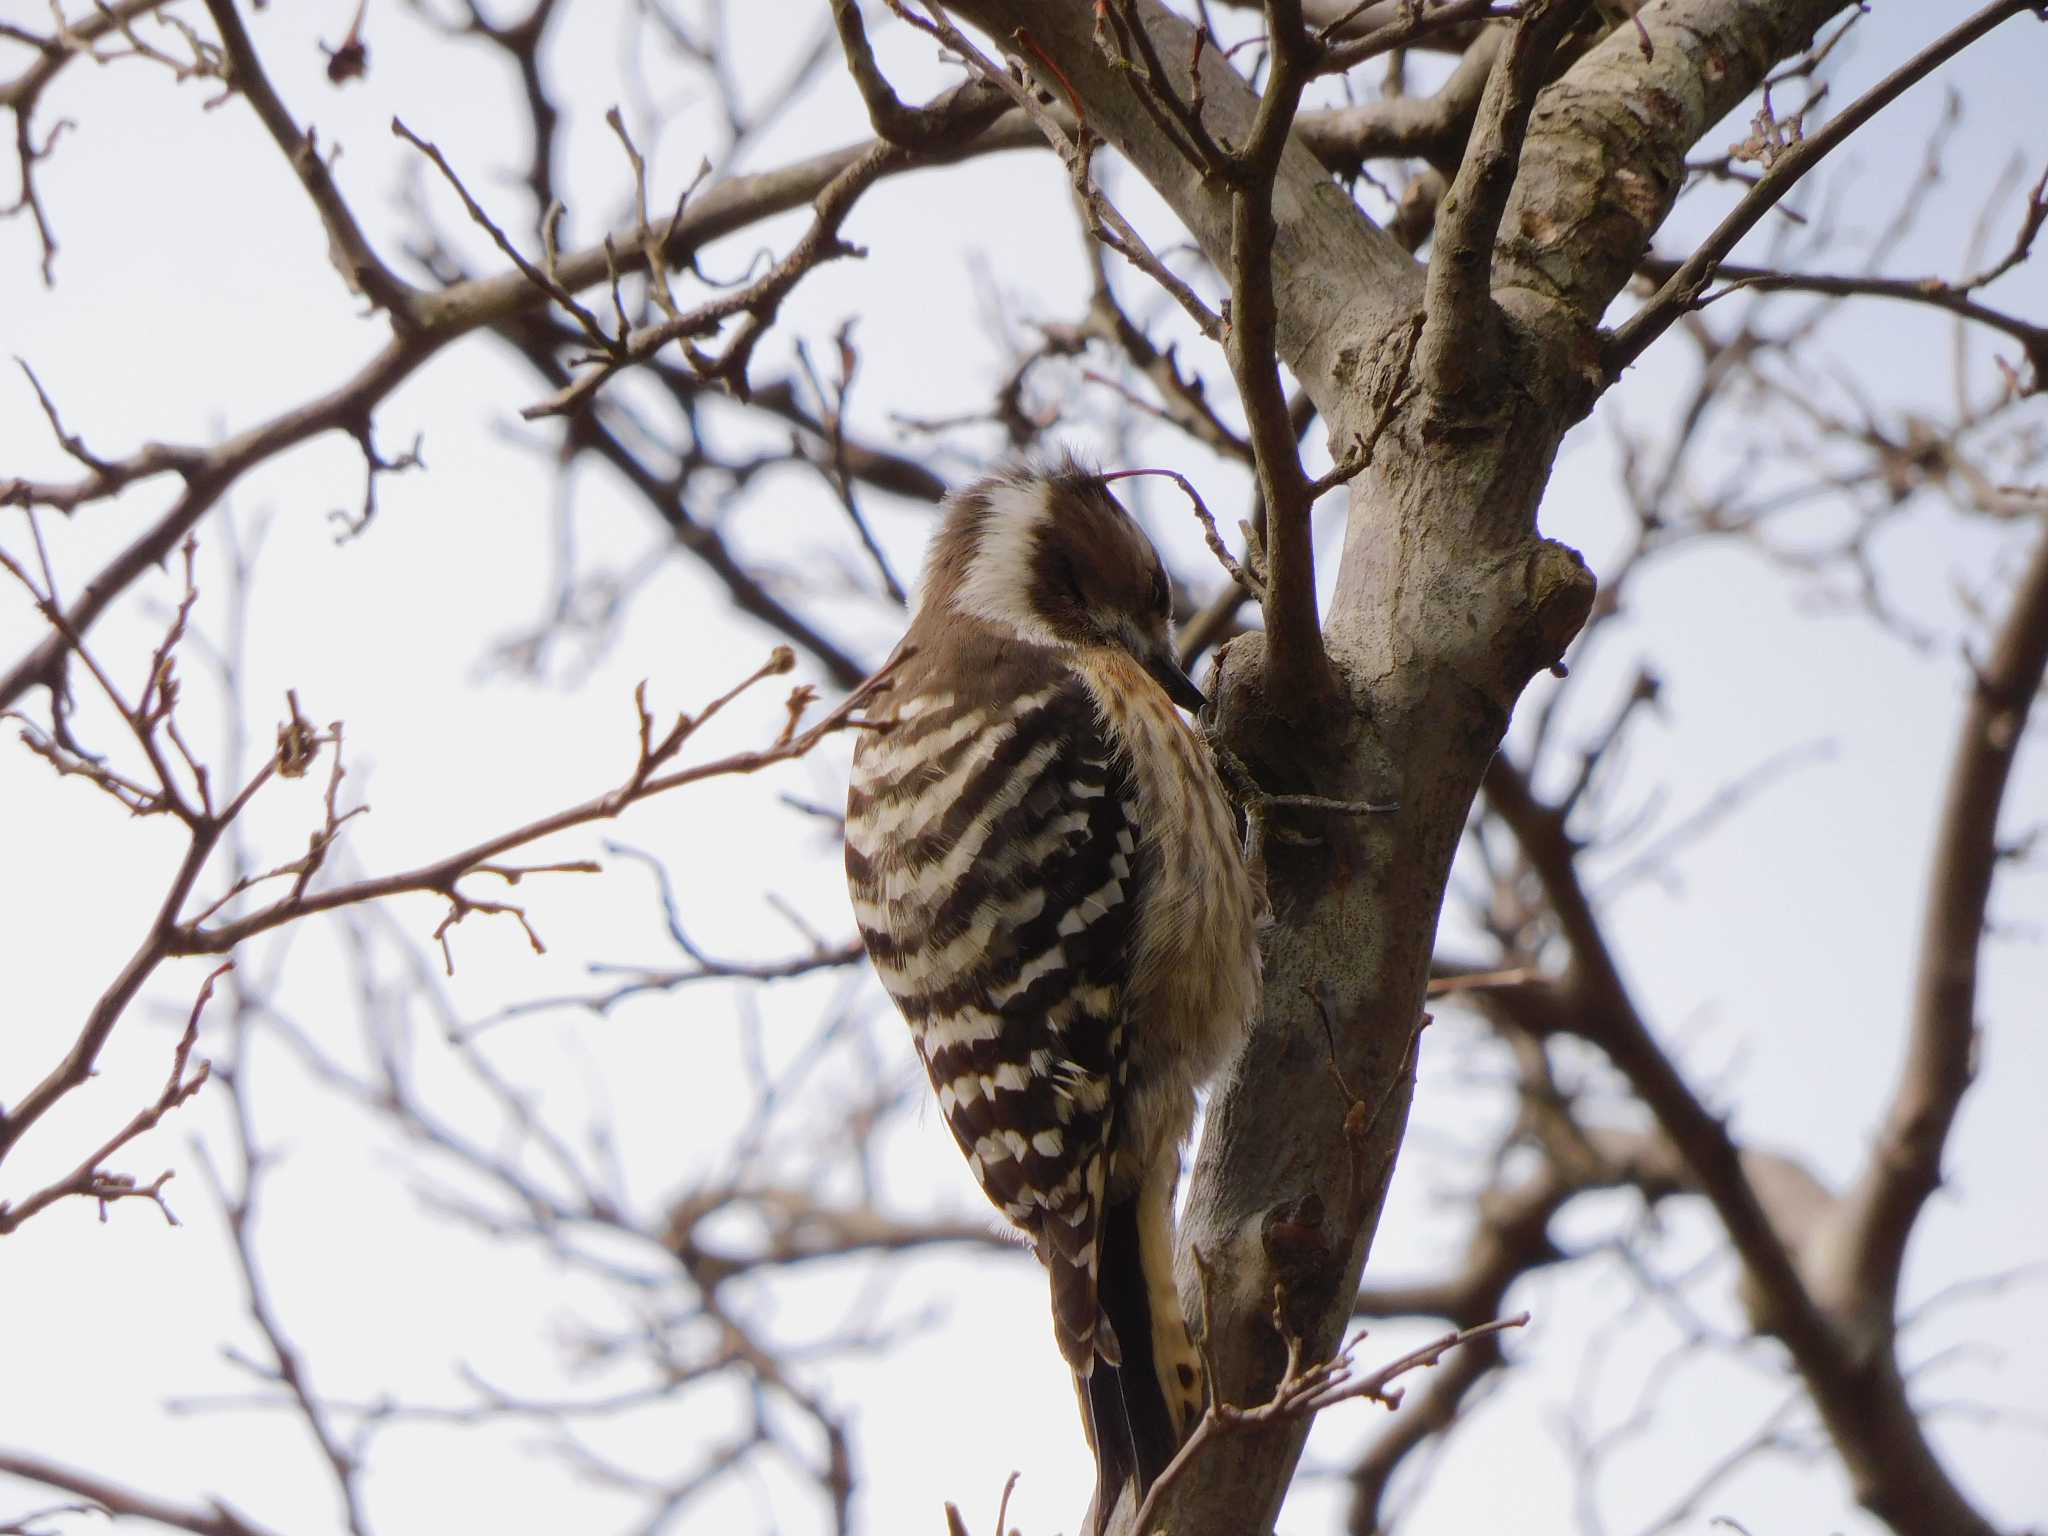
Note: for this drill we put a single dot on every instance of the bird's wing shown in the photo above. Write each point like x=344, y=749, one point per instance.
x=997, y=873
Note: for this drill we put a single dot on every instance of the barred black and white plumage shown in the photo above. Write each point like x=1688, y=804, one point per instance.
x=1047, y=877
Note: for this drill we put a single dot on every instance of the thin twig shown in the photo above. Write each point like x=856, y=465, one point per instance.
x=89, y=1178
x=1682, y=290
x=1303, y=1392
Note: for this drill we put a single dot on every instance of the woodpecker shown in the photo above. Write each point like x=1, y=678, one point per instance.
x=1048, y=879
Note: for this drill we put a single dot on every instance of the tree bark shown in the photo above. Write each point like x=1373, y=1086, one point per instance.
x=1447, y=601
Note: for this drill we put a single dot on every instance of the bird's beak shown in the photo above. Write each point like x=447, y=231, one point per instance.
x=1178, y=685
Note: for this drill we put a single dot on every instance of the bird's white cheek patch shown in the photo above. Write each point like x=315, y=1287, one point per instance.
x=997, y=586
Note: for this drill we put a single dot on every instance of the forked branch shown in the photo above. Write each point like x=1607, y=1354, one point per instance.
x=176, y=784
x=1682, y=290
x=1459, y=347
x=1305, y=1390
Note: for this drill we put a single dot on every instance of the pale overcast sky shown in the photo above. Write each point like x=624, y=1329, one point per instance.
x=194, y=298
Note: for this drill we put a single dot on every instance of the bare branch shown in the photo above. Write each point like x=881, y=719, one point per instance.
x=444, y=316
x=918, y=128
x=644, y=782
x=1409, y=25
x=1303, y=1392
x=239, y=1207
x=171, y=934
x=1301, y=669
x=1076, y=151
x=23, y=93
x=121, y=1502
x=1953, y=298
x=361, y=267
x=756, y=304
x=1459, y=348
x=542, y=277
x=89, y=1178
x=1904, y=1167
x=1857, y=1390
x=1682, y=290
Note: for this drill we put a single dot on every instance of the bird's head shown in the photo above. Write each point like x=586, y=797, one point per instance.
x=1050, y=557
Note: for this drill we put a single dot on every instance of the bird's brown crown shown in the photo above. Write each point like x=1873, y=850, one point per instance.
x=1050, y=557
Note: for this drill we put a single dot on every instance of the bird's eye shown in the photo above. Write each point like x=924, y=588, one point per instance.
x=1162, y=595
x=1068, y=579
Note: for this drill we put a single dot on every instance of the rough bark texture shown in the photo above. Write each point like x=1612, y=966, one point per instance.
x=1447, y=601
x=1607, y=144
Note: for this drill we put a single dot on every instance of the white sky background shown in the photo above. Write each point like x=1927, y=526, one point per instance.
x=194, y=297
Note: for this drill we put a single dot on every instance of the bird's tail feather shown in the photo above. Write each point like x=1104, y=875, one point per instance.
x=1128, y=1296
x=1130, y=1407
x=1109, y=1437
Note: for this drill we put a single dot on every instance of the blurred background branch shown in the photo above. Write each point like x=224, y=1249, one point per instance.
x=651, y=1230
